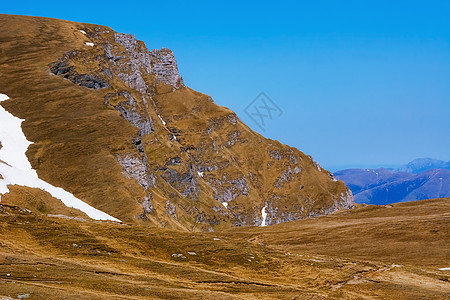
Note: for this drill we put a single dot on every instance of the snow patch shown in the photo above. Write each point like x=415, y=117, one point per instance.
x=83, y=32
x=14, y=142
x=264, y=216
x=164, y=122
x=90, y=44
x=444, y=269
x=200, y=174
x=225, y=204
x=16, y=169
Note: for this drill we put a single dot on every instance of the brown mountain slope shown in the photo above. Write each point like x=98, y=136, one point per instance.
x=114, y=124
x=396, y=253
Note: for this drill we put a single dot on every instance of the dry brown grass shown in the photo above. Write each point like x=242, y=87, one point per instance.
x=312, y=259
x=38, y=201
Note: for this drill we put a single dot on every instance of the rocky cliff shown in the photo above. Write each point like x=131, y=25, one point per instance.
x=114, y=124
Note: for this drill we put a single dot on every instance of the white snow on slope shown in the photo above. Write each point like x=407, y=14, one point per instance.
x=444, y=269
x=90, y=44
x=83, y=32
x=13, y=141
x=264, y=216
x=164, y=122
x=16, y=169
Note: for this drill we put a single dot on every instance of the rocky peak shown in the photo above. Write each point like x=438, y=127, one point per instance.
x=161, y=63
x=165, y=67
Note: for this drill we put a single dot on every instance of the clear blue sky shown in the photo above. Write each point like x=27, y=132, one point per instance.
x=361, y=83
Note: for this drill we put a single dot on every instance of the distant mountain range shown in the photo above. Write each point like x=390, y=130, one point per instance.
x=423, y=164
x=423, y=178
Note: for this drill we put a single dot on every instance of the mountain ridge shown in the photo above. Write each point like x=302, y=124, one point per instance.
x=383, y=186
x=423, y=164
x=120, y=129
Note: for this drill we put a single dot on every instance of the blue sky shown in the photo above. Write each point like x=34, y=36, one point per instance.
x=360, y=83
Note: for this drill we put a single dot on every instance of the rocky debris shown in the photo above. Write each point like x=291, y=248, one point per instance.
x=165, y=67
x=147, y=204
x=331, y=175
x=92, y=81
x=130, y=111
x=346, y=201
x=275, y=154
x=232, y=118
x=292, y=159
x=286, y=176
x=241, y=185
x=207, y=168
x=175, y=161
x=275, y=217
x=233, y=138
x=186, y=183
x=226, y=190
x=315, y=163
x=179, y=255
x=135, y=168
x=171, y=210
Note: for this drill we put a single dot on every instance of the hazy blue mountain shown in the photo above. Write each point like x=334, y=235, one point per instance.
x=382, y=186
x=423, y=164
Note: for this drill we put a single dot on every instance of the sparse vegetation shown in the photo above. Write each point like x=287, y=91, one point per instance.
x=371, y=252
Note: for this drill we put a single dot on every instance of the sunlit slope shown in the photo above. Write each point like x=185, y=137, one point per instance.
x=112, y=123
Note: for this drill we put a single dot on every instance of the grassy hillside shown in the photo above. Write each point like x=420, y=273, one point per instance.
x=112, y=123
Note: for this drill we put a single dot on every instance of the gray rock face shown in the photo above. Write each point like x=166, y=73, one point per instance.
x=132, y=65
x=129, y=110
x=165, y=67
x=171, y=210
x=186, y=184
x=147, y=205
x=92, y=80
x=315, y=163
x=226, y=190
x=128, y=59
x=135, y=168
x=346, y=200
x=273, y=217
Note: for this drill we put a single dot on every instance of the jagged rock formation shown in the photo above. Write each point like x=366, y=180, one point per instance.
x=123, y=133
